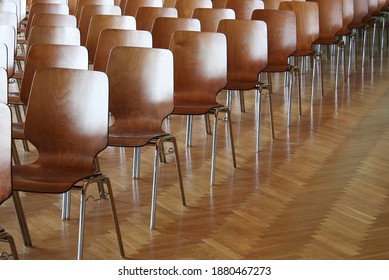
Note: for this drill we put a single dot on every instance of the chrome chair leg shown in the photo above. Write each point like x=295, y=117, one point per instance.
x=242, y=103
x=66, y=201
x=214, y=139
x=313, y=81
x=207, y=124
x=21, y=219
x=154, y=190
x=178, y=167
x=258, y=142
x=290, y=101
x=136, y=163
x=189, y=127
x=364, y=45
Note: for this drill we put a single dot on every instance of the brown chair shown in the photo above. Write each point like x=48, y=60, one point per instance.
x=46, y=19
x=210, y=17
x=5, y=171
x=201, y=53
x=88, y=12
x=307, y=15
x=82, y=3
x=146, y=16
x=361, y=11
x=282, y=43
x=247, y=57
x=244, y=8
x=44, y=55
x=111, y=38
x=164, y=28
x=185, y=8
x=67, y=152
x=330, y=23
x=100, y=22
x=132, y=6
x=141, y=97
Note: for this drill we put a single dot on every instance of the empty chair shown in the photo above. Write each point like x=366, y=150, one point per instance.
x=307, y=15
x=185, y=8
x=132, y=6
x=100, y=22
x=46, y=19
x=247, y=58
x=88, y=12
x=205, y=54
x=67, y=152
x=111, y=38
x=146, y=16
x=5, y=168
x=282, y=43
x=164, y=28
x=210, y=18
x=244, y=8
x=7, y=37
x=331, y=22
x=141, y=97
x=82, y=3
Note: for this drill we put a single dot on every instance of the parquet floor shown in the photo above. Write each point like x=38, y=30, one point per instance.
x=320, y=190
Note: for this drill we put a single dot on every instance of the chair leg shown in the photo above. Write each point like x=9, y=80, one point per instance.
x=242, y=103
x=6, y=237
x=270, y=106
x=290, y=101
x=136, y=164
x=15, y=154
x=66, y=201
x=313, y=81
x=207, y=124
x=383, y=33
x=364, y=45
x=82, y=215
x=258, y=142
x=214, y=139
x=189, y=127
x=21, y=219
x=178, y=166
x=154, y=190
x=321, y=69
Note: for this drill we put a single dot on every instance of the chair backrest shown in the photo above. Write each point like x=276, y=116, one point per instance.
x=100, y=22
x=56, y=35
x=88, y=12
x=5, y=153
x=307, y=15
x=3, y=58
x=164, y=28
x=32, y=2
x=81, y=3
x=45, y=8
x=132, y=6
x=9, y=19
x=73, y=126
x=282, y=36
x=219, y=4
x=146, y=16
x=185, y=8
x=111, y=38
x=210, y=17
x=347, y=16
x=246, y=50
x=271, y=4
x=7, y=37
x=45, y=19
x=203, y=53
x=141, y=90
x=44, y=55
x=244, y=8
x=330, y=18
x=169, y=3
x=11, y=5
x=3, y=80
x=361, y=10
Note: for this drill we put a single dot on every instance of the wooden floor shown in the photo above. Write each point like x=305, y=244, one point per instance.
x=320, y=190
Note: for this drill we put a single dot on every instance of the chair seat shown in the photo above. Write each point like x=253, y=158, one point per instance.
x=38, y=178
x=277, y=68
x=18, y=131
x=192, y=109
x=18, y=75
x=343, y=32
x=20, y=57
x=303, y=53
x=357, y=25
x=14, y=98
x=232, y=85
x=125, y=139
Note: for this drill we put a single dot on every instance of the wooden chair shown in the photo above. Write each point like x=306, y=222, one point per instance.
x=7, y=37
x=67, y=152
x=330, y=23
x=44, y=55
x=46, y=19
x=244, y=8
x=201, y=53
x=11, y=5
x=307, y=15
x=141, y=97
x=132, y=6
x=282, y=43
x=146, y=16
x=210, y=17
x=164, y=28
x=82, y=3
x=247, y=57
x=88, y=12
x=111, y=38
x=185, y=8
x=5, y=169
x=100, y=22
